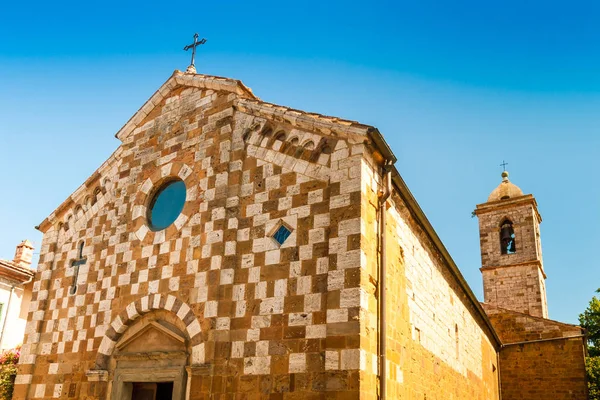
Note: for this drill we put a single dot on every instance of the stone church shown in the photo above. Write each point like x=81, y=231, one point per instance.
x=236, y=249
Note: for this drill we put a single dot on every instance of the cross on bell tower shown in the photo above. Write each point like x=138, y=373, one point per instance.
x=511, y=250
x=192, y=68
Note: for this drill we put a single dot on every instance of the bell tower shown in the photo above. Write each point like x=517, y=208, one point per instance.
x=511, y=251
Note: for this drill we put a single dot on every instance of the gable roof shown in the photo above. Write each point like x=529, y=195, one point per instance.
x=248, y=102
x=184, y=79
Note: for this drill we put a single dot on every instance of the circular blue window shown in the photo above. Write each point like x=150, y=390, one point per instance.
x=166, y=205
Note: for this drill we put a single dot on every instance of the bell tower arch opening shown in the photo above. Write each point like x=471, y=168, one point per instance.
x=507, y=237
x=511, y=255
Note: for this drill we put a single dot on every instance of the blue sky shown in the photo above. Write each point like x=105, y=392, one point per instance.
x=455, y=87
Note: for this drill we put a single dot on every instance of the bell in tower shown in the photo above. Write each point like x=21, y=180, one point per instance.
x=511, y=259
x=507, y=238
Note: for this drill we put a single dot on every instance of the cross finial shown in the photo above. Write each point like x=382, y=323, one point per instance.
x=503, y=165
x=192, y=67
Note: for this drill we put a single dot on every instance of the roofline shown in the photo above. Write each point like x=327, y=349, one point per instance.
x=405, y=193
x=507, y=203
x=220, y=83
x=184, y=79
x=382, y=145
x=247, y=100
x=71, y=199
x=533, y=316
x=421, y=218
x=10, y=270
x=319, y=123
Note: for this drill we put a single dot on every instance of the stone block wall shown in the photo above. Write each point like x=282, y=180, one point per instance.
x=438, y=344
x=543, y=370
x=521, y=288
x=264, y=320
x=259, y=320
x=540, y=358
x=522, y=213
x=513, y=281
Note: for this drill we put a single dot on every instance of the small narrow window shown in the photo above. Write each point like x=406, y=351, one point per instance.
x=456, y=339
x=282, y=234
x=507, y=238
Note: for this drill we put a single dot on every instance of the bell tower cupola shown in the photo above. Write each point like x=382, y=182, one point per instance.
x=511, y=250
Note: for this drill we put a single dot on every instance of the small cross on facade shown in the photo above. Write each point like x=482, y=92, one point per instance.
x=192, y=67
x=504, y=164
x=79, y=261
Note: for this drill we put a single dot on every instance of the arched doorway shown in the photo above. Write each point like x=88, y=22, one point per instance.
x=151, y=349
x=150, y=359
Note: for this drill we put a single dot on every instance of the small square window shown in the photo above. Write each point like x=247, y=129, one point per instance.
x=281, y=234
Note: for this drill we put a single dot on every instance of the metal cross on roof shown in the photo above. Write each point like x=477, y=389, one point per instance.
x=504, y=164
x=193, y=47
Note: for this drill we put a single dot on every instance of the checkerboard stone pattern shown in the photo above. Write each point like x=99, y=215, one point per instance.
x=265, y=319
x=260, y=319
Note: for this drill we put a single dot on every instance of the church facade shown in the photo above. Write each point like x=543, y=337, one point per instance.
x=232, y=248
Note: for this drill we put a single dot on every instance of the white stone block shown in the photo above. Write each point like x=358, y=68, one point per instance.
x=332, y=360
x=350, y=359
x=297, y=363
x=257, y=365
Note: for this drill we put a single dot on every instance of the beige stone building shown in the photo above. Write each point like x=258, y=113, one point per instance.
x=16, y=282
x=235, y=249
x=539, y=358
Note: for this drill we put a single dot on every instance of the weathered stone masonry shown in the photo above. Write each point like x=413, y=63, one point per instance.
x=439, y=343
x=256, y=313
x=539, y=358
x=226, y=309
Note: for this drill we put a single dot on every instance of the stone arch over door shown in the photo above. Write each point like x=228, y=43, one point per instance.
x=155, y=339
x=141, y=307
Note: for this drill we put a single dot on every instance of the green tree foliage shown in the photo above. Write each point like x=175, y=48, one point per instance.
x=8, y=372
x=590, y=320
x=592, y=366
